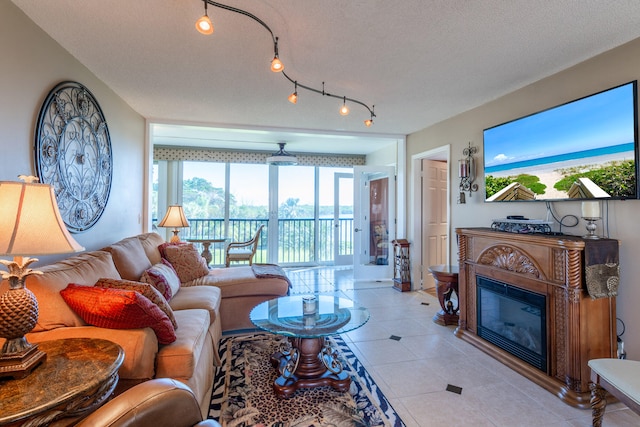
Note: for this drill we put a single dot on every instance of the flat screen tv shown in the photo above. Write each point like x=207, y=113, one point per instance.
x=584, y=149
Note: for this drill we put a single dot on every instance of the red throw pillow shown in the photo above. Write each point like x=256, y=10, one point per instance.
x=186, y=261
x=145, y=289
x=118, y=309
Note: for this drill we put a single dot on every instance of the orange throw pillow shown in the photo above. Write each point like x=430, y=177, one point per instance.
x=118, y=309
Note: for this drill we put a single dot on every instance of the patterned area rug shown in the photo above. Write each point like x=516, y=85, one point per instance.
x=243, y=395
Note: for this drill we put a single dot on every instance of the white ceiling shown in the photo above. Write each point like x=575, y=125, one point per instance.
x=418, y=61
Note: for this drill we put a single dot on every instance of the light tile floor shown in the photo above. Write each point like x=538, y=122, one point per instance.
x=414, y=372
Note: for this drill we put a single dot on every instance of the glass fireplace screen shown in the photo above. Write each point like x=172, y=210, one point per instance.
x=513, y=319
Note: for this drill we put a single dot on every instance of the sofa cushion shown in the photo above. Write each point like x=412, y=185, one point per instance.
x=178, y=359
x=241, y=282
x=150, y=243
x=164, y=278
x=84, y=269
x=187, y=261
x=130, y=258
x=204, y=297
x=145, y=289
x=118, y=309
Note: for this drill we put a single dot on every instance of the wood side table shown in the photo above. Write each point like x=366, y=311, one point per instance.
x=446, y=278
x=78, y=376
x=206, y=244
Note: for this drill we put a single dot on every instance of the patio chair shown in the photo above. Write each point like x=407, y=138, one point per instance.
x=243, y=251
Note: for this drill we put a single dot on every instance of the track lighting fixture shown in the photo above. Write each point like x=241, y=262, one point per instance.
x=205, y=26
x=293, y=98
x=344, y=110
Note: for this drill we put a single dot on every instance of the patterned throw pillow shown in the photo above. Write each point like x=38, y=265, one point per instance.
x=145, y=289
x=162, y=247
x=118, y=309
x=186, y=261
x=164, y=278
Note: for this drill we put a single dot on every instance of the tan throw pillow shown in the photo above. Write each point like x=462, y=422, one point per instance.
x=130, y=258
x=186, y=261
x=143, y=288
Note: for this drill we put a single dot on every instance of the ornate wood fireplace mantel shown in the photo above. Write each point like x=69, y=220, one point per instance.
x=578, y=328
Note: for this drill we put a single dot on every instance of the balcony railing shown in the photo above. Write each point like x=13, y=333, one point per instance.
x=300, y=242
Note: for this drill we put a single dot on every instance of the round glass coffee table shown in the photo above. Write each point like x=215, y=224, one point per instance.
x=307, y=360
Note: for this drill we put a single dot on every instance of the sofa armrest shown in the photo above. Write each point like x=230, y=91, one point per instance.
x=161, y=402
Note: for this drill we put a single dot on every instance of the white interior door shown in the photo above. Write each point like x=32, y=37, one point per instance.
x=373, y=215
x=343, y=219
x=435, y=228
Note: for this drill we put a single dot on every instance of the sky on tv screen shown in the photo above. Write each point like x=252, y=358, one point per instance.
x=594, y=125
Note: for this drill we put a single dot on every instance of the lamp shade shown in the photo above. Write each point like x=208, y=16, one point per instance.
x=30, y=222
x=174, y=218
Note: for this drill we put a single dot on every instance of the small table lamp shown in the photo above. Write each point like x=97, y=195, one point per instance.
x=174, y=218
x=30, y=224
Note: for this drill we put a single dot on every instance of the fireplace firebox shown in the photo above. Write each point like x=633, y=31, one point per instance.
x=513, y=319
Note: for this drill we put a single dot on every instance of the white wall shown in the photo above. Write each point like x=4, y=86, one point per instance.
x=387, y=156
x=612, y=68
x=31, y=64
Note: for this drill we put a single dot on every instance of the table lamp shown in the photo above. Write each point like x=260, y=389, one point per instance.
x=174, y=218
x=30, y=224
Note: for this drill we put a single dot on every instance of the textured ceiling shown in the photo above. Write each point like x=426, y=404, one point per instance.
x=418, y=61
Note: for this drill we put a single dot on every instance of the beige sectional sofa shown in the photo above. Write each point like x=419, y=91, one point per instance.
x=203, y=308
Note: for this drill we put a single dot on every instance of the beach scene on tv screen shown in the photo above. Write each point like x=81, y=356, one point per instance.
x=583, y=149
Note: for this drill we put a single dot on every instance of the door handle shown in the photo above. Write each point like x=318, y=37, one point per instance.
x=356, y=230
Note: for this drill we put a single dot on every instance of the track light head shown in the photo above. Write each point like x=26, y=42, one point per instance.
x=276, y=65
x=203, y=24
x=293, y=98
x=344, y=110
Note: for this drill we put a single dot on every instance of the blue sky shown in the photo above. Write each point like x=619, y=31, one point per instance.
x=603, y=119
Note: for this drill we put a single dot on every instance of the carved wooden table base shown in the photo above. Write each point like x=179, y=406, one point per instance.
x=308, y=363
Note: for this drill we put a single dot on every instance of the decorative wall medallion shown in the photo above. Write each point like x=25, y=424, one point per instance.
x=73, y=154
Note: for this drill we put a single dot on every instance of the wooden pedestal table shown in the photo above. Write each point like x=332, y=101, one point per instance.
x=446, y=278
x=307, y=360
x=77, y=376
x=206, y=247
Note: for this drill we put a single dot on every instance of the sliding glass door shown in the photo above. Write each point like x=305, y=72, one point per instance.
x=306, y=210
